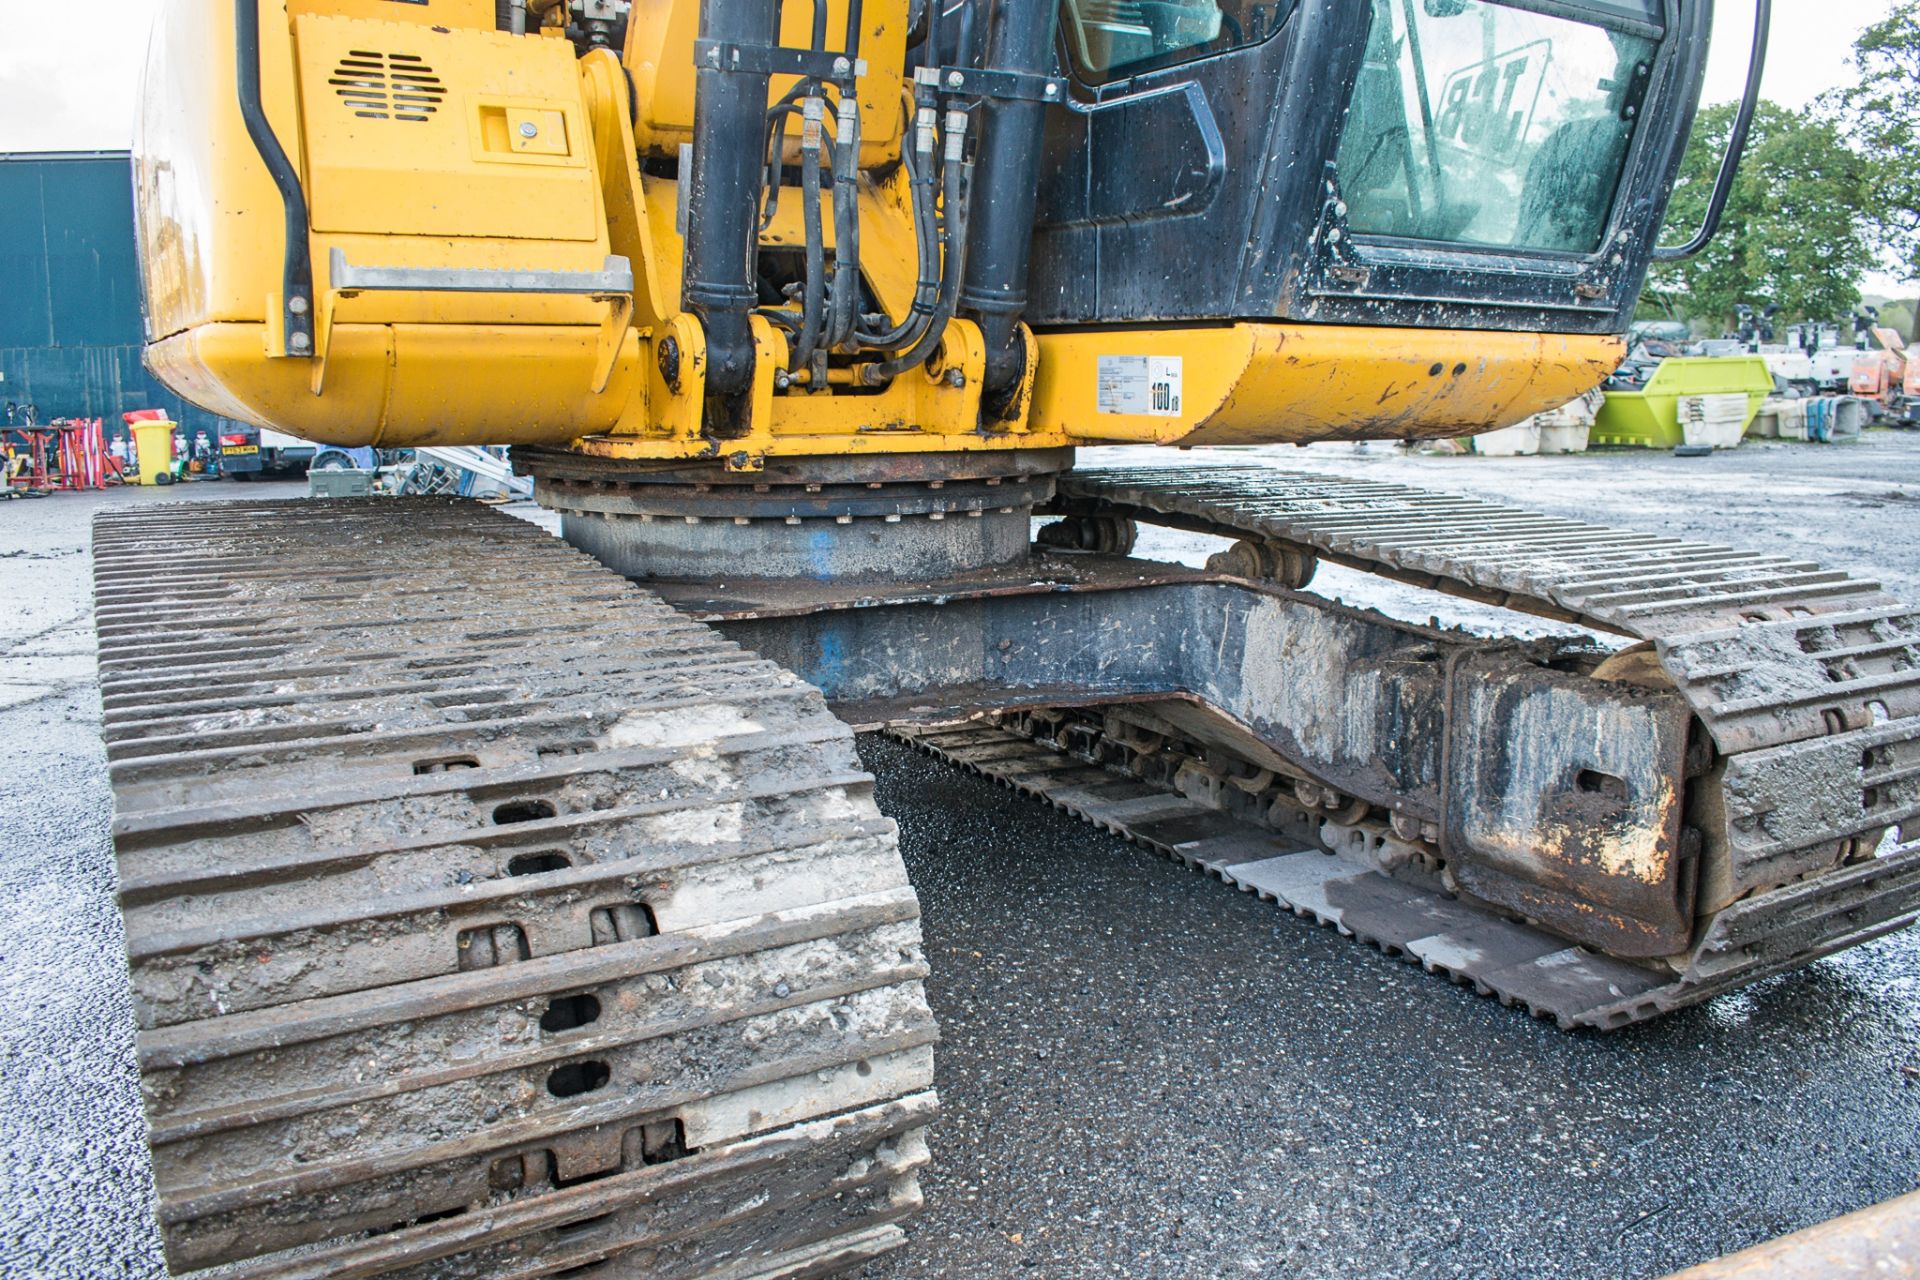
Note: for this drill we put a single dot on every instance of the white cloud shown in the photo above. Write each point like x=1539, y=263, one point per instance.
x=1808, y=50
x=62, y=91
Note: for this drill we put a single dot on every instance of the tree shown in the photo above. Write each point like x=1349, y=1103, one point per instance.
x=1903, y=315
x=1882, y=114
x=1794, y=233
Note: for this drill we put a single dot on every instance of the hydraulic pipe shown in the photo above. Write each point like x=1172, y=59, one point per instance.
x=729, y=113
x=813, y=299
x=296, y=267
x=921, y=180
x=956, y=199
x=843, y=303
x=1006, y=181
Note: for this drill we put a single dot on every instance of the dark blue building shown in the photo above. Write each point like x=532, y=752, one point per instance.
x=70, y=330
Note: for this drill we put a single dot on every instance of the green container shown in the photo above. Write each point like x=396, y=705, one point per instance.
x=339, y=482
x=1650, y=417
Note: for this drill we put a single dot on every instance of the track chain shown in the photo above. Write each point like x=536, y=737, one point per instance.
x=1807, y=681
x=1419, y=922
x=486, y=917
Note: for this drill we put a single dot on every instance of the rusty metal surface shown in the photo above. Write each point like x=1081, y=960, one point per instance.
x=1807, y=681
x=1570, y=807
x=487, y=916
x=1578, y=825
x=1471, y=944
x=1878, y=1243
x=1328, y=869
x=1768, y=648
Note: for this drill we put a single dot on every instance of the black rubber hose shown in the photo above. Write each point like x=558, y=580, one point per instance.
x=845, y=310
x=296, y=263
x=926, y=284
x=846, y=230
x=813, y=302
x=853, y=33
x=957, y=195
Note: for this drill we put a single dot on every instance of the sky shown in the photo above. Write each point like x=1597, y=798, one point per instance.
x=59, y=93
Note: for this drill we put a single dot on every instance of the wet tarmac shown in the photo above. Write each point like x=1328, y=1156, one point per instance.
x=1144, y=1072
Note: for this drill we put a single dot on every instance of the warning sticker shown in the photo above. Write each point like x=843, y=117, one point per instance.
x=1139, y=384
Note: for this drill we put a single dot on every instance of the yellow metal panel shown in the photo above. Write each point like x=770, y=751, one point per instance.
x=404, y=385
x=397, y=131
x=659, y=52
x=477, y=14
x=622, y=197
x=1281, y=383
x=207, y=214
x=536, y=131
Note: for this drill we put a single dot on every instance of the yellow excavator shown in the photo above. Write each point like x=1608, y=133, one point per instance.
x=503, y=905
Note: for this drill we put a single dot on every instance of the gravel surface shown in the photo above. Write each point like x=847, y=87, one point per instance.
x=1144, y=1072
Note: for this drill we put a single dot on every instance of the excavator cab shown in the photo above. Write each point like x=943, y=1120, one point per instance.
x=1421, y=163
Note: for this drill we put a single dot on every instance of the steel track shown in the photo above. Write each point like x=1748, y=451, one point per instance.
x=486, y=917
x=1807, y=680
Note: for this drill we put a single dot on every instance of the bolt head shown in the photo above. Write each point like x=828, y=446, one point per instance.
x=528, y=129
x=297, y=305
x=955, y=79
x=841, y=66
x=299, y=342
x=1050, y=92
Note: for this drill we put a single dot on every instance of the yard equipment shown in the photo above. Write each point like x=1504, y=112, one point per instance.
x=519, y=920
x=1888, y=378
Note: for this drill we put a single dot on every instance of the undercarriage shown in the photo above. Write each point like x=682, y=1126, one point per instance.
x=525, y=921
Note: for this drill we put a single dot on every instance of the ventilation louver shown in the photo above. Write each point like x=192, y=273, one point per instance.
x=387, y=86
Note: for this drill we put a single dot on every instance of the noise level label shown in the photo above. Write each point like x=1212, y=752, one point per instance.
x=1139, y=384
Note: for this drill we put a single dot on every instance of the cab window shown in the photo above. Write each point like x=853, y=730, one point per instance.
x=1481, y=124
x=1115, y=39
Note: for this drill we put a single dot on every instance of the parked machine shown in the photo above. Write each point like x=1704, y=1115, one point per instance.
x=247, y=451
x=517, y=919
x=1886, y=377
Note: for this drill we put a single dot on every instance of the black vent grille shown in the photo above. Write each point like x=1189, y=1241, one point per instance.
x=387, y=86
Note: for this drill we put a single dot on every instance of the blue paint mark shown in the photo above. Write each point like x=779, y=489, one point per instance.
x=829, y=669
x=820, y=548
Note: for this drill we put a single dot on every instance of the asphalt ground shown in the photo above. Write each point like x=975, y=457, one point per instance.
x=1144, y=1072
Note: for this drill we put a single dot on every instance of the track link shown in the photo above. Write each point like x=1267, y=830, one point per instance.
x=1444, y=933
x=1807, y=682
x=486, y=917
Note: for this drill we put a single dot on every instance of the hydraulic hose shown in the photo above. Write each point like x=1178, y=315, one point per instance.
x=846, y=224
x=296, y=263
x=813, y=298
x=926, y=288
